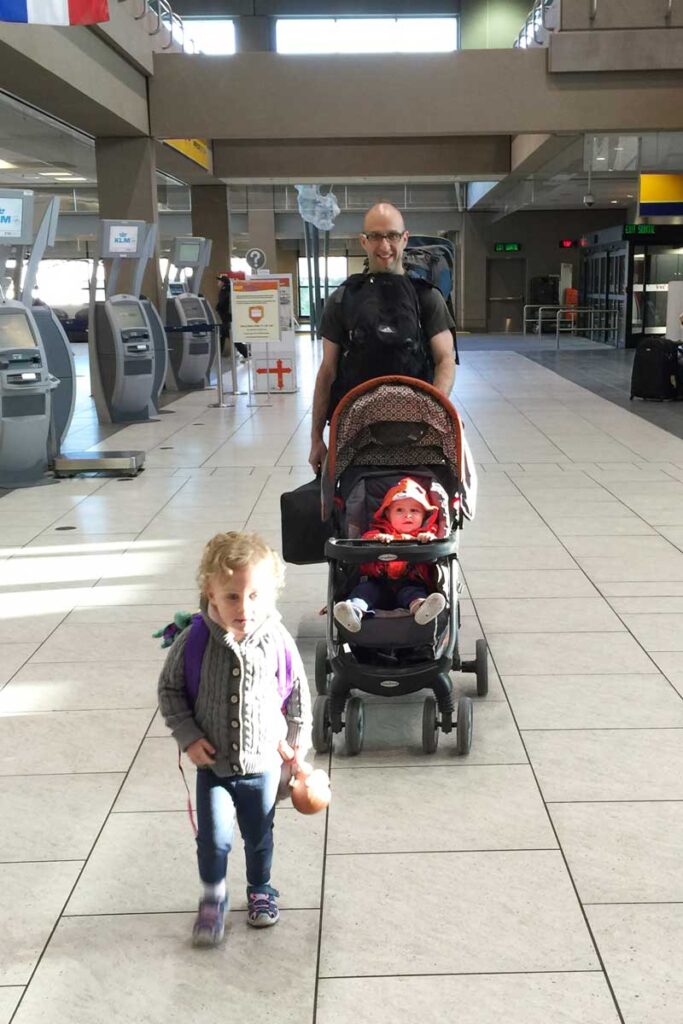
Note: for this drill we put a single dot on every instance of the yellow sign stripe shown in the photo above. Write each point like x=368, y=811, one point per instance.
x=197, y=150
x=661, y=188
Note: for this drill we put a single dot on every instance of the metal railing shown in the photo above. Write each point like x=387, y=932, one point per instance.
x=576, y=320
x=161, y=15
x=537, y=27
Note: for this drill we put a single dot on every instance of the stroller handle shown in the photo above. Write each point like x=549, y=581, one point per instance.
x=358, y=551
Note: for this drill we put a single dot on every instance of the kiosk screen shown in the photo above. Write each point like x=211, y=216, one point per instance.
x=192, y=308
x=188, y=253
x=128, y=315
x=123, y=240
x=15, y=331
x=11, y=217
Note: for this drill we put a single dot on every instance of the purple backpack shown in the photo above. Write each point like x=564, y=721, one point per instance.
x=195, y=646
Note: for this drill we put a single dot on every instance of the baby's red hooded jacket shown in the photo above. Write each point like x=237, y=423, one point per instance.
x=422, y=572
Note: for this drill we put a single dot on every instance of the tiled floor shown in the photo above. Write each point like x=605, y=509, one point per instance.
x=537, y=880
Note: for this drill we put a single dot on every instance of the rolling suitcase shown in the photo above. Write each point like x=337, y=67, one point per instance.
x=658, y=370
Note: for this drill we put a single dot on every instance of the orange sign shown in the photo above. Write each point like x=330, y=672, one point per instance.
x=256, y=311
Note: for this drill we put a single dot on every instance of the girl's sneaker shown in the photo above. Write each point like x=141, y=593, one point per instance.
x=262, y=909
x=430, y=608
x=209, y=925
x=348, y=616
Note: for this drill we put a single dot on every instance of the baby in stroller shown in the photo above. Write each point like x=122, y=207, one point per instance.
x=405, y=513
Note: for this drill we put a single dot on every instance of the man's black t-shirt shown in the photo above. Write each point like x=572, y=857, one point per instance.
x=433, y=314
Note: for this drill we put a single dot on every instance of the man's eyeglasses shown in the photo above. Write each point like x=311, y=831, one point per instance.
x=379, y=236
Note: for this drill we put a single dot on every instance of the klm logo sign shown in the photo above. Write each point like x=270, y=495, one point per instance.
x=10, y=219
x=122, y=239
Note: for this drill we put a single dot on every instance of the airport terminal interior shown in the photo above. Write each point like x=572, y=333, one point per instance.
x=526, y=870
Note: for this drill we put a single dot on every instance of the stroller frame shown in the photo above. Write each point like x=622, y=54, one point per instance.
x=338, y=670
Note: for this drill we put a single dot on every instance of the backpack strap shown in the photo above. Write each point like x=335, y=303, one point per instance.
x=195, y=645
x=285, y=675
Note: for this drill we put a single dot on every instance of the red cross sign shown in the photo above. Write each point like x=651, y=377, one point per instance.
x=280, y=369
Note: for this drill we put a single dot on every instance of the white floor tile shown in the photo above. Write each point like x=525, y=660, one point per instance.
x=70, y=741
x=642, y=948
x=54, y=817
x=541, y=928
x=572, y=998
x=149, y=956
x=9, y=997
x=608, y=764
x=623, y=852
x=446, y=809
x=31, y=899
x=616, y=701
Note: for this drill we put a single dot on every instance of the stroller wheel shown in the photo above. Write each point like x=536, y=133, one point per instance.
x=430, y=727
x=482, y=667
x=464, y=726
x=322, y=728
x=321, y=668
x=354, y=725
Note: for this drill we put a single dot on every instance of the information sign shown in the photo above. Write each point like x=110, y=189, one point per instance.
x=256, y=258
x=256, y=311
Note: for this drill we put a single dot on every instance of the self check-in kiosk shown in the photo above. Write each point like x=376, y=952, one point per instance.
x=191, y=352
x=121, y=346
x=60, y=360
x=156, y=324
x=26, y=384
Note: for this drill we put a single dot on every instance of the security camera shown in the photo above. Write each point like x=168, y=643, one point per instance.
x=589, y=200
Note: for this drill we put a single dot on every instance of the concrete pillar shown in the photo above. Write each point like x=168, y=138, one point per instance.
x=254, y=34
x=261, y=229
x=211, y=219
x=127, y=188
x=472, y=276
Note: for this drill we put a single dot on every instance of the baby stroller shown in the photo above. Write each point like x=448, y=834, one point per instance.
x=381, y=431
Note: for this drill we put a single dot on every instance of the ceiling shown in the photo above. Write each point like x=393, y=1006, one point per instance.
x=41, y=153
x=37, y=151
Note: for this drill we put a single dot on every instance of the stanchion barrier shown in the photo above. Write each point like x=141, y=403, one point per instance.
x=204, y=328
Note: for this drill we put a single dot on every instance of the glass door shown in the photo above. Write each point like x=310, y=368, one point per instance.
x=661, y=266
x=615, y=325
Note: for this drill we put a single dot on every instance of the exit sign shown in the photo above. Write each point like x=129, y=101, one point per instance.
x=568, y=243
x=639, y=229
x=654, y=234
x=507, y=247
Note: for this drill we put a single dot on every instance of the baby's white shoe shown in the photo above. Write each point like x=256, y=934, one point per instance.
x=348, y=616
x=430, y=608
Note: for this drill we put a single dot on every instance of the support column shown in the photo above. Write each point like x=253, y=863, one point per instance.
x=127, y=188
x=472, y=276
x=211, y=219
x=254, y=33
x=261, y=229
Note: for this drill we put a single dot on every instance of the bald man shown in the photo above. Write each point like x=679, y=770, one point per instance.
x=383, y=239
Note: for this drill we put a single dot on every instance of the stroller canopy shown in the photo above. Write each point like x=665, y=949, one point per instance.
x=399, y=422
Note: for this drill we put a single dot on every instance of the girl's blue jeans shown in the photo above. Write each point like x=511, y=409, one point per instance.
x=250, y=801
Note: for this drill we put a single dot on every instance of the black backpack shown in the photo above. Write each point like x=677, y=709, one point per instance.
x=384, y=334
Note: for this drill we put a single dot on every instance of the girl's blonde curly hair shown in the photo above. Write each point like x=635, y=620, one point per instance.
x=229, y=551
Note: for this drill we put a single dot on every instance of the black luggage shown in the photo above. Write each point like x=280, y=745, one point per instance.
x=658, y=370
x=303, y=531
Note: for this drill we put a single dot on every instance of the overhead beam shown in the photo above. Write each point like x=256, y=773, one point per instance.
x=340, y=160
x=473, y=92
x=75, y=76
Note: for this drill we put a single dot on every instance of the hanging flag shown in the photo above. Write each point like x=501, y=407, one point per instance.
x=54, y=12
